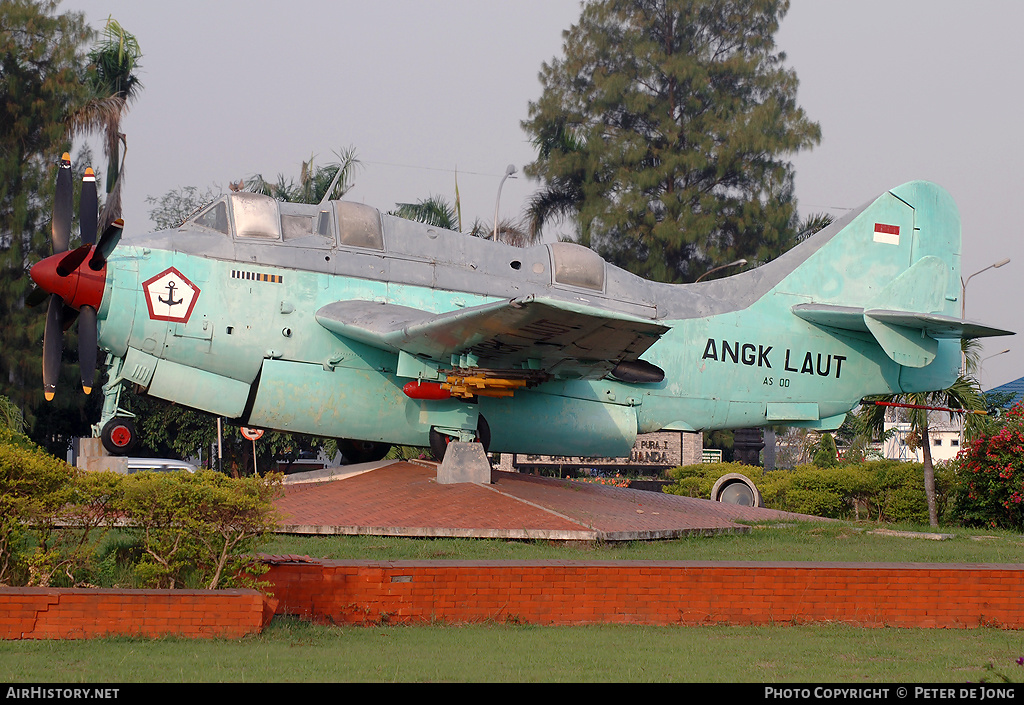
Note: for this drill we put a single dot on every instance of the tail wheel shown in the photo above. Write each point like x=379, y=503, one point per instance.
x=363, y=451
x=439, y=441
x=119, y=436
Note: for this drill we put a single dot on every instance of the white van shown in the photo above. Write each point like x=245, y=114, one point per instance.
x=157, y=465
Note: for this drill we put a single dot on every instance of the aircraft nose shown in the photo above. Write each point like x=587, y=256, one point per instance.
x=78, y=285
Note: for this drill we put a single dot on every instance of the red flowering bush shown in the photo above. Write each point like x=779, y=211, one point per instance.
x=990, y=477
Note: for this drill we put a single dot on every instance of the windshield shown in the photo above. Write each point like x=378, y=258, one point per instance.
x=215, y=217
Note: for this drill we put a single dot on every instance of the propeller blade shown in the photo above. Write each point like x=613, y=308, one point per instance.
x=71, y=260
x=68, y=316
x=53, y=345
x=62, y=205
x=36, y=297
x=88, y=207
x=87, y=346
x=108, y=241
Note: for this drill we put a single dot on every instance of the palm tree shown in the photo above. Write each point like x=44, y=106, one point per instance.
x=561, y=196
x=964, y=393
x=812, y=224
x=510, y=231
x=436, y=211
x=314, y=182
x=113, y=63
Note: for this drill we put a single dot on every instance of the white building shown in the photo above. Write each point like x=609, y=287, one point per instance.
x=902, y=444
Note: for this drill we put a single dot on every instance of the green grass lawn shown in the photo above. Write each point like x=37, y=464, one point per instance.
x=291, y=650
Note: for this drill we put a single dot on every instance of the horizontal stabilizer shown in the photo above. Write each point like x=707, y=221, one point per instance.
x=937, y=325
x=558, y=337
x=908, y=338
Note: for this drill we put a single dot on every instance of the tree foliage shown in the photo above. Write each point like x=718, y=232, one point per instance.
x=990, y=476
x=438, y=212
x=881, y=490
x=114, y=84
x=314, y=181
x=664, y=128
x=193, y=526
x=171, y=209
x=43, y=83
x=32, y=489
x=187, y=529
x=965, y=393
x=433, y=210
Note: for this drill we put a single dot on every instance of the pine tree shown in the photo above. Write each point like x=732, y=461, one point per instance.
x=664, y=129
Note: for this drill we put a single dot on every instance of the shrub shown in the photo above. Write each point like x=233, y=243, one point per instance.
x=697, y=480
x=885, y=490
x=989, y=477
x=33, y=489
x=193, y=529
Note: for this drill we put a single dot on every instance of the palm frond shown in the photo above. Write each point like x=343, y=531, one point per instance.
x=812, y=224
x=100, y=113
x=115, y=59
x=434, y=210
x=510, y=231
x=970, y=348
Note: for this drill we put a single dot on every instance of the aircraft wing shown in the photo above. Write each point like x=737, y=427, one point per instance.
x=557, y=337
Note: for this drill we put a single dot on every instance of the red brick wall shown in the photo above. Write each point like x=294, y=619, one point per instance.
x=647, y=592
x=538, y=592
x=56, y=613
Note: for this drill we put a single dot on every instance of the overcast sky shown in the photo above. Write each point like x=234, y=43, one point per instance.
x=903, y=90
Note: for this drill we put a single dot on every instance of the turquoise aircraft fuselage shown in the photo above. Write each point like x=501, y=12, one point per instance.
x=336, y=320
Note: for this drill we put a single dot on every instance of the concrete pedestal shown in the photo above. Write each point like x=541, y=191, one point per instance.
x=464, y=462
x=92, y=456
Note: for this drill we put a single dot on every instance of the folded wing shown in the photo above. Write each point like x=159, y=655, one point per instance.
x=557, y=337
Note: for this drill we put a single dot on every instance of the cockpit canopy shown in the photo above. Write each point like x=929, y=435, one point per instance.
x=254, y=216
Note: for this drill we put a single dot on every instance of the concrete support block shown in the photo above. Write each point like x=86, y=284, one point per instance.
x=93, y=456
x=464, y=462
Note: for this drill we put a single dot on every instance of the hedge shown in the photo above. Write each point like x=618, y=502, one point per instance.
x=882, y=490
x=174, y=529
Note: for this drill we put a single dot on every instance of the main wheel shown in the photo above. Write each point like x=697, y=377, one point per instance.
x=362, y=451
x=119, y=436
x=439, y=441
x=734, y=488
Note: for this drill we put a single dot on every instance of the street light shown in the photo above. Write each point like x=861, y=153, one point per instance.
x=963, y=285
x=981, y=364
x=509, y=170
x=737, y=263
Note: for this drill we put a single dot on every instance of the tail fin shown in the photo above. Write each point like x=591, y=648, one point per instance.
x=890, y=268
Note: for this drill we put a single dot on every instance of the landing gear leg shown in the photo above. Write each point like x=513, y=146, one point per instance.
x=116, y=428
x=439, y=439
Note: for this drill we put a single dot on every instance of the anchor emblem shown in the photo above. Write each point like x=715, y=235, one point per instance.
x=170, y=296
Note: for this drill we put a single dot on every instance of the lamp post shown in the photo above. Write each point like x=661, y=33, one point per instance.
x=737, y=263
x=963, y=285
x=509, y=170
x=981, y=364
x=963, y=302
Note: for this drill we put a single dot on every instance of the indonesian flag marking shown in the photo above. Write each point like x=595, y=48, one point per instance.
x=888, y=234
